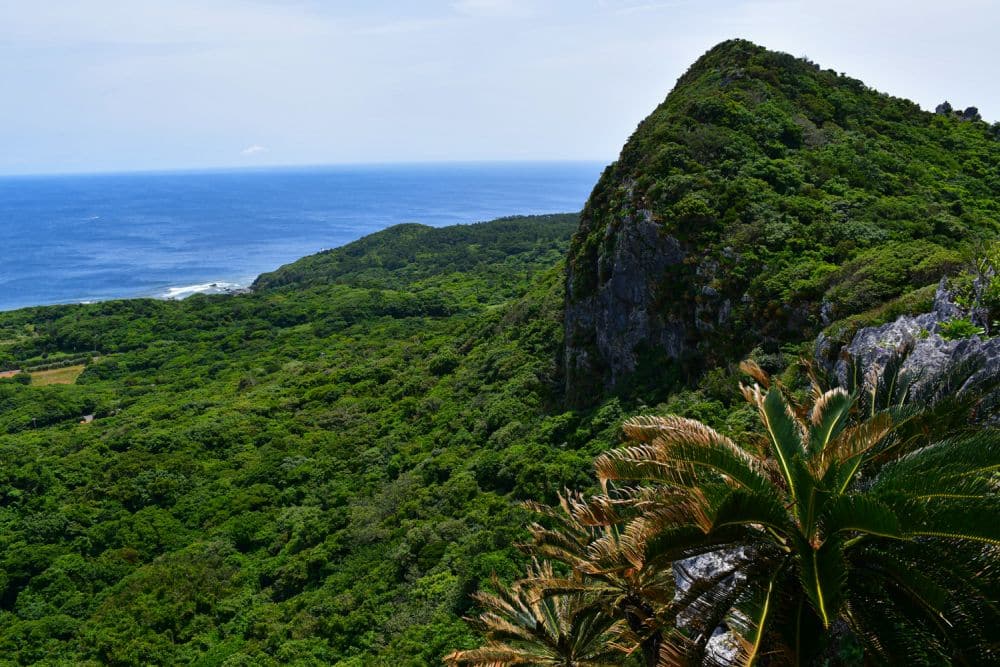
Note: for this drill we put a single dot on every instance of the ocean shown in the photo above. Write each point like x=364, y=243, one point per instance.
x=80, y=238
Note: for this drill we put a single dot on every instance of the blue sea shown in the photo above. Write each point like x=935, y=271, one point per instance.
x=68, y=239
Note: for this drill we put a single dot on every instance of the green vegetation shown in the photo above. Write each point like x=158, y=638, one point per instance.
x=801, y=195
x=338, y=467
x=858, y=518
x=959, y=328
x=309, y=474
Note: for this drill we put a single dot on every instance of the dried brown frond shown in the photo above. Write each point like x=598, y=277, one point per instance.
x=822, y=403
x=857, y=440
x=753, y=394
x=678, y=651
x=815, y=386
x=605, y=554
x=643, y=428
x=689, y=431
x=602, y=510
x=599, y=510
x=491, y=655
x=637, y=462
x=698, y=508
x=680, y=430
x=538, y=508
x=760, y=376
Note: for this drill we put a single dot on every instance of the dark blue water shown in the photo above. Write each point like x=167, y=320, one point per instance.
x=67, y=239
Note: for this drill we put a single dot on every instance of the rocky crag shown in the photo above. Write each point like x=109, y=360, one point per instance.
x=932, y=356
x=764, y=199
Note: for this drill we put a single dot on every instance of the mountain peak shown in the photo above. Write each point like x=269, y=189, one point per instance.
x=751, y=205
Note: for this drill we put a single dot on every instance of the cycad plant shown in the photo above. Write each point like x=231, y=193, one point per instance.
x=614, y=580
x=857, y=512
x=869, y=518
x=524, y=625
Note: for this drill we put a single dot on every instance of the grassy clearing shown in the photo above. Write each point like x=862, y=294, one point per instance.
x=66, y=375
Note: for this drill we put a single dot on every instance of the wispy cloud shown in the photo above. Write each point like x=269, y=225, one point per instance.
x=112, y=84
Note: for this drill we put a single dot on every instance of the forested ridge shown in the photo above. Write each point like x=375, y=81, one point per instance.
x=331, y=468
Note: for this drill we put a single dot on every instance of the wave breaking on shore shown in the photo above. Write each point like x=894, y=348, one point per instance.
x=184, y=291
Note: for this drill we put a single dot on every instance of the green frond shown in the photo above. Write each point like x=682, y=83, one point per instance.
x=759, y=621
x=916, y=579
x=744, y=508
x=860, y=513
x=930, y=509
x=823, y=573
x=830, y=414
x=785, y=437
x=891, y=638
x=937, y=589
x=949, y=584
x=971, y=456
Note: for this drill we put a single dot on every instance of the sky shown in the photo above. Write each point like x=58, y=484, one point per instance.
x=120, y=85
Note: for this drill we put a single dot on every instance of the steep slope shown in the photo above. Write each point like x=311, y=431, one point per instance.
x=764, y=199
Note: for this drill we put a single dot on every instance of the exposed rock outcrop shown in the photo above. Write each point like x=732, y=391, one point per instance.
x=932, y=357
x=606, y=327
x=723, y=646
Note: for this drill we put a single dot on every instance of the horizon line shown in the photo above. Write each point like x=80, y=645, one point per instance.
x=293, y=166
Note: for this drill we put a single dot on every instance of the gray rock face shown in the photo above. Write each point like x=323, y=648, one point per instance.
x=970, y=114
x=621, y=315
x=723, y=647
x=932, y=357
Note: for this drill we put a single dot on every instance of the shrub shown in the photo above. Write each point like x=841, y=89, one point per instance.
x=958, y=328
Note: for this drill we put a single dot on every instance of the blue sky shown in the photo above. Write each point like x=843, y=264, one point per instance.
x=98, y=85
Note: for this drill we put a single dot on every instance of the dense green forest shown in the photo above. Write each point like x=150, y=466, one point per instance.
x=328, y=470
x=305, y=474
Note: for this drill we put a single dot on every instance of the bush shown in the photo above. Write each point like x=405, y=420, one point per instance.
x=959, y=328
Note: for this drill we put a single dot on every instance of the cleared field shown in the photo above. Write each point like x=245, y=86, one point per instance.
x=67, y=375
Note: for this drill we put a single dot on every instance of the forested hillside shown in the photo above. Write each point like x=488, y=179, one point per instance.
x=325, y=470
x=764, y=199
x=305, y=476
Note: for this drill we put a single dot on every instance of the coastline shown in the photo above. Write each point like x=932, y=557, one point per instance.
x=170, y=293
x=96, y=238
x=181, y=292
